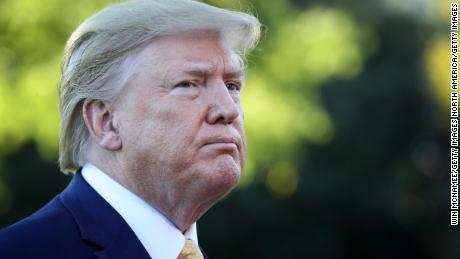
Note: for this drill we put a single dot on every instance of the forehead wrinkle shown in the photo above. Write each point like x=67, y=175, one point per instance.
x=199, y=68
x=149, y=58
x=205, y=69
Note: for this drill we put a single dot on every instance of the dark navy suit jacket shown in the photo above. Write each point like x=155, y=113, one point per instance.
x=78, y=223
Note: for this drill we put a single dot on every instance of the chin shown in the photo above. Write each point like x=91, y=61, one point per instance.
x=223, y=176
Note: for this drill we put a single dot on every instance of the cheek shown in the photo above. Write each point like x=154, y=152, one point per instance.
x=175, y=127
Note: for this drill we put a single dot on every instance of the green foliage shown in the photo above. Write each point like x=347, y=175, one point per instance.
x=296, y=56
x=301, y=53
x=32, y=36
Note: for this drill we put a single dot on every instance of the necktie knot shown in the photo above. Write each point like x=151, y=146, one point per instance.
x=190, y=251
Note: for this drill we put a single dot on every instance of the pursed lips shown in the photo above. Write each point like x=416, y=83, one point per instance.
x=223, y=140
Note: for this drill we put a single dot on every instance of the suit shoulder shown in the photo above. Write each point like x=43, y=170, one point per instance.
x=46, y=229
x=46, y=221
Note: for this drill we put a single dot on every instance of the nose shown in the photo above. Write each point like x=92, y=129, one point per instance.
x=222, y=106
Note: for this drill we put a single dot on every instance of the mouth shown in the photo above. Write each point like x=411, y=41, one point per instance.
x=223, y=142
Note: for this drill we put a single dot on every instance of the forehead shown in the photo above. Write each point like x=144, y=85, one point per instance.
x=196, y=50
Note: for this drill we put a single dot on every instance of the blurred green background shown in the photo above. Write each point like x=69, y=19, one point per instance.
x=347, y=121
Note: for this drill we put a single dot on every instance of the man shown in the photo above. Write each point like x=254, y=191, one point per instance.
x=151, y=128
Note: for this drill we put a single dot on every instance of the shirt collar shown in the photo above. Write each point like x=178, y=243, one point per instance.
x=157, y=233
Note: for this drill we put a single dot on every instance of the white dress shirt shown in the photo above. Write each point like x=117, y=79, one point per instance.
x=158, y=234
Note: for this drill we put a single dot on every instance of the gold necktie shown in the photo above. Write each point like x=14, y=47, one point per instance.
x=190, y=251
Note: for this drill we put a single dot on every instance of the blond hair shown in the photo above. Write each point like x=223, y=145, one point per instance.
x=94, y=53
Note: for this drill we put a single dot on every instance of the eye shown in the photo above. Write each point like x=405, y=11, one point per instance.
x=185, y=84
x=233, y=86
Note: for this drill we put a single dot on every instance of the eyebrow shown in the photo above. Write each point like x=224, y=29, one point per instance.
x=206, y=70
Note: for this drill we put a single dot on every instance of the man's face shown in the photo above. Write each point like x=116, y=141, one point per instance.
x=181, y=121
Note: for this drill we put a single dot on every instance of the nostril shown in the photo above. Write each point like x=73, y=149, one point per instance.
x=224, y=114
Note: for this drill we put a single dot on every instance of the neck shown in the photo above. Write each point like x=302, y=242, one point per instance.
x=182, y=206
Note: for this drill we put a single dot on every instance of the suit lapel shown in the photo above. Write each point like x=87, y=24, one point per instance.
x=204, y=254
x=99, y=223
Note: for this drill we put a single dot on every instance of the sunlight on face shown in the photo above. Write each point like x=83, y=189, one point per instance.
x=181, y=121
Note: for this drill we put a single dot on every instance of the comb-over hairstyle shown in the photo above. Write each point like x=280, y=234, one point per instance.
x=95, y=52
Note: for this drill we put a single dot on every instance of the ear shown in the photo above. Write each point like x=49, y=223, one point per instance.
x=99, y=121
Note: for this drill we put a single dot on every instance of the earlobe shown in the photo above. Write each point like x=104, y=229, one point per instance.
x=99, y=121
